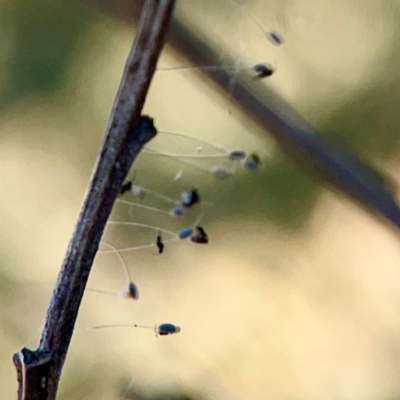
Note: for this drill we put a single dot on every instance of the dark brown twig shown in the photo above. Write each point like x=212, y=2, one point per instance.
x=39, y=371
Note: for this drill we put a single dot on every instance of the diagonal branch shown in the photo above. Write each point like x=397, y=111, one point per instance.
x=39, y=371
x=342, y=169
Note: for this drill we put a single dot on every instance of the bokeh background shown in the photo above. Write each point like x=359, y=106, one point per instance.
x=297, y=295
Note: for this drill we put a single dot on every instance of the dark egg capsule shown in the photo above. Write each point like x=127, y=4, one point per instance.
x=126, y=187
x=159, y=243
x=252, y=162
x=275, y=38
x=133, y=291
x=167, y=329
x=236, y=154
x=190, y=198
x=199, y=236
x=263, y=71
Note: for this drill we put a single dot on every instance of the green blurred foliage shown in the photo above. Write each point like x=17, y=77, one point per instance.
x=282, y=193
x=369, y=123
x=129, y=392
x=45, y=39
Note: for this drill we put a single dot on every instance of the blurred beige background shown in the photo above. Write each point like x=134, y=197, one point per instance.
x=297, y=295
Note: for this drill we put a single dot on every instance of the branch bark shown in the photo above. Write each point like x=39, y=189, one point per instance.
x=39, y=371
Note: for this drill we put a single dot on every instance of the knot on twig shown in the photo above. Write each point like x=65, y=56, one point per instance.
x=144, y=131
x=33, y=372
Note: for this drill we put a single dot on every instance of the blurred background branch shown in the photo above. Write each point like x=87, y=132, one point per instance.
x=299, y=139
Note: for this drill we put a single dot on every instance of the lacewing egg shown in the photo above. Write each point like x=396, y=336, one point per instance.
x=220, y=171
x=159, y=243
x=190, y=198
x=263, y=70
x=252, y=162
x=138, y=191
x=131, y=293
x=167, y=329
x=177, y=211
x=199, y=235
x=236, y=154
x=275, y=38
x=185, y=233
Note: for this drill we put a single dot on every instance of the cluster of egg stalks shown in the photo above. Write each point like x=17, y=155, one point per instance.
x=259, y=70
x=195, y=233
x=188, y=199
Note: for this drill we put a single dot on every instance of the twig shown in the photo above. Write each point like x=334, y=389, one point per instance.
x=298, y=138
x=39, y=371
